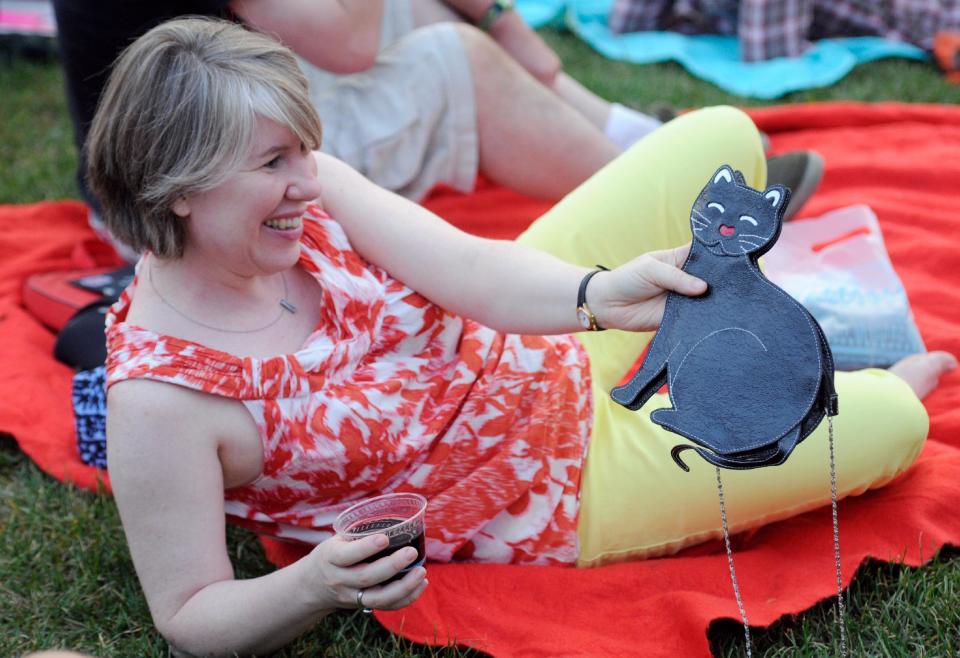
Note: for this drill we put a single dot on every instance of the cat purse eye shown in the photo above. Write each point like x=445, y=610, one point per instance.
x=748, y=369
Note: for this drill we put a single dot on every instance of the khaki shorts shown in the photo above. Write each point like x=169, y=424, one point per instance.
x=409, y=122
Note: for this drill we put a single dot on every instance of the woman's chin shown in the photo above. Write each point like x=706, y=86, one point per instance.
x=281, y=247
x=288, y=260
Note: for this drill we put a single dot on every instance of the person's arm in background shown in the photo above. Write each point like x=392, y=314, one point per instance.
x=340, y=36
x=773, y=28
x=516, y=37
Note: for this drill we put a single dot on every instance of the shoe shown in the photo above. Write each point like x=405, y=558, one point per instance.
x=800, y=171
x=662, y=111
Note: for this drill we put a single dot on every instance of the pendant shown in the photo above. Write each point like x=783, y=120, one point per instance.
x=288, y=306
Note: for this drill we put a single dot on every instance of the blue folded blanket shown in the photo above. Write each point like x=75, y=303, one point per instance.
x=715, y=58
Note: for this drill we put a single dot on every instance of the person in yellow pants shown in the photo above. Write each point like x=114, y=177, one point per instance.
x=635, y=501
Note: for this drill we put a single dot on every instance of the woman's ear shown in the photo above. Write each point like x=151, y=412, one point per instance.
x=180, y=207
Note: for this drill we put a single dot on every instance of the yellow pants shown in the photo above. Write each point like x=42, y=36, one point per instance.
x=635, y=501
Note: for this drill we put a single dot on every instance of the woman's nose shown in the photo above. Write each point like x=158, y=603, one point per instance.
x=305, y=186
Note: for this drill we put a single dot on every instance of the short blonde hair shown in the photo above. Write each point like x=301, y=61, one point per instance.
x=177, y=117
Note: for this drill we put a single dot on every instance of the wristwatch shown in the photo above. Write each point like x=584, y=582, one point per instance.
x=586, y=317
x=493, y=13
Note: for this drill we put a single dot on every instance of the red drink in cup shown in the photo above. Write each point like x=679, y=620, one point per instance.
x=400, y=516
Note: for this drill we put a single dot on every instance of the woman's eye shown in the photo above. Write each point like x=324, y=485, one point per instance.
x=273, y=164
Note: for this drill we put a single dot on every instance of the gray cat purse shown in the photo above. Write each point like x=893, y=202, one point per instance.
x=749, y=371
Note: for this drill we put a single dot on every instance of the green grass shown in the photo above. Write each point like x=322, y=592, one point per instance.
x=37, y=156
x=68, y=582
x=66, y=579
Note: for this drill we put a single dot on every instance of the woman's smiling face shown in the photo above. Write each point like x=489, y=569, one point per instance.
x=253, y=220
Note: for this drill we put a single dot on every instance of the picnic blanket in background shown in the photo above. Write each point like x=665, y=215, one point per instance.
x=714, y=58
x=901, y=160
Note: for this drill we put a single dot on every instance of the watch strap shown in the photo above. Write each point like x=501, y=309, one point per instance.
x=582, y=297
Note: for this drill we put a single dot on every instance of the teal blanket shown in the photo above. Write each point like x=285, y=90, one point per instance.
x=715, y=58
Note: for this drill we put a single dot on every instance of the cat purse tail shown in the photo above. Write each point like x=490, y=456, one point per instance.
x=748, y=369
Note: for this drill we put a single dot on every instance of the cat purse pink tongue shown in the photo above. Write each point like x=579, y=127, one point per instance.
x=744, y=339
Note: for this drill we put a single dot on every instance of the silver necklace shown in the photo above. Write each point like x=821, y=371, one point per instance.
x=286, y=306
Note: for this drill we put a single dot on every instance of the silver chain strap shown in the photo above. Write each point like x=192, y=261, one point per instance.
x=733, y=572
x=841, y=610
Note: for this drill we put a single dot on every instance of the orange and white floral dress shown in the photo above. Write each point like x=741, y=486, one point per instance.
x=393, y=393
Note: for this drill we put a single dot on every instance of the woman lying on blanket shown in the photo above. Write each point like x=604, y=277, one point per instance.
x=298, y=339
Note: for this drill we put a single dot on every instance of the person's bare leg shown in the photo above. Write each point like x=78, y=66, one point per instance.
x=529, y=139
x=596, y=110
x=923, y=371
x=587, y=103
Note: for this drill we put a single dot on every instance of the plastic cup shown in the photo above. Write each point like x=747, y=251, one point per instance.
x=399, y=516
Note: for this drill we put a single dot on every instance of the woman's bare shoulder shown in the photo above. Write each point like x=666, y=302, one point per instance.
x=141, y=412
x=152, y=423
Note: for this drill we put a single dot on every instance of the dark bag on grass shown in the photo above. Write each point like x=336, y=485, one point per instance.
x=82, y=345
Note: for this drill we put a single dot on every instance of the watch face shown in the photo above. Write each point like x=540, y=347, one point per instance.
x=584, y=318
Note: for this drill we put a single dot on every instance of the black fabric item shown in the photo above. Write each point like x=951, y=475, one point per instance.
x=749, y=371
x=91, y=34
x=82, y=343
x=90, y=415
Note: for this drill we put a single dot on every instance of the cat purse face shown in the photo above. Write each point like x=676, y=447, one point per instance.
x=749, y=371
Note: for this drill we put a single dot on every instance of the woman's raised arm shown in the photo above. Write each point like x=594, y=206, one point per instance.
x=499, y=283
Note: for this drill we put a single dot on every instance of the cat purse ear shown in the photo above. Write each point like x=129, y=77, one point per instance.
x=749, y=372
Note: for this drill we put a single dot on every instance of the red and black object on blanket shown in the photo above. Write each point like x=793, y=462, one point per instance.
x=53, y=297
x=899, y=159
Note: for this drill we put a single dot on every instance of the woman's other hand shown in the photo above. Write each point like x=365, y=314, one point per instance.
x=632, y=296
x=341, y=574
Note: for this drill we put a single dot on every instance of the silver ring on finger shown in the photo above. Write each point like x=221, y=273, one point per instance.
x=360, y=603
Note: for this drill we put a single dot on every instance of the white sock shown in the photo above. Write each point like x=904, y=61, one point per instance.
x=626, y=126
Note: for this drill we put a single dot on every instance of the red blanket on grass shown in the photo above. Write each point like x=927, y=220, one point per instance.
x=903, y=161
